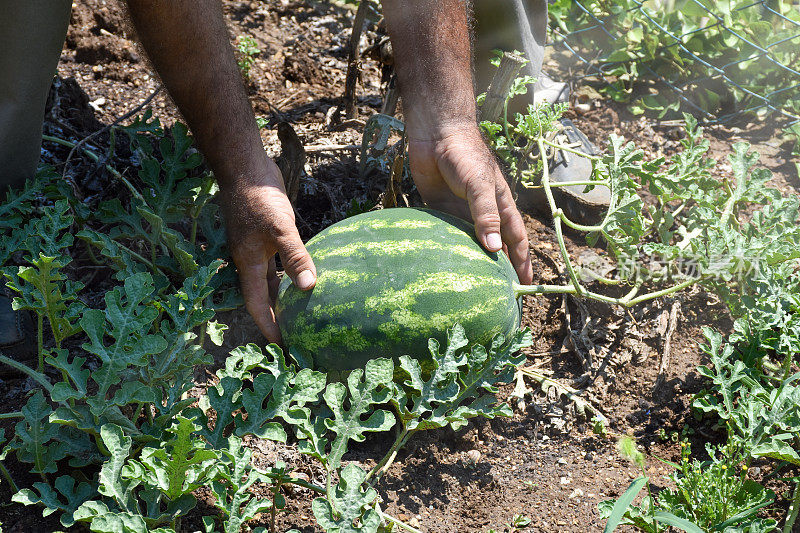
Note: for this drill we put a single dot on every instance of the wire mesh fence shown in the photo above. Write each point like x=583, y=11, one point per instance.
x=720, y=60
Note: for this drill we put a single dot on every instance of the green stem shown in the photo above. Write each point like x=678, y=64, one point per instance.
x=388, y=459
x=505, y=123
x=295, y=481
x=38, y=377
x=665, y=292
x=201, y=339
x=519, y=290
x=12, y=414
x=10, y=480
x=727, y=211
x=787, y=365
x=138, y=413
x=570, y=183
x=652, y=506
x=40, y=340
x=328, y=495
x=546, y=180
x=94, y=157
x=573, y=276
x=629, y=300
x=557, y=218
x=570, y=150
x=678, y=210
x=794, y=510
x=139, y=257
x=579, y=227
x=193, y=234
x=92, y=257
x=153, y=246
x=398, y=523
x=273, y=512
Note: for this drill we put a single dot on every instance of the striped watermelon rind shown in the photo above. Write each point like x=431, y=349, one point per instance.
x=388, y=281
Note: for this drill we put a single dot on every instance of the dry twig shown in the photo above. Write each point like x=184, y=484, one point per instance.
x=665, y=355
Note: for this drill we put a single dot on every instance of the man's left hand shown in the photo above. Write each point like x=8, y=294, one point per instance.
x=456, y=172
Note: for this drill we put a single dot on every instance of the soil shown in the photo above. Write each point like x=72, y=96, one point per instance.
x=544, y=462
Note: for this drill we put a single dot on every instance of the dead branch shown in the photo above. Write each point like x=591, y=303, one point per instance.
x=352, y=61
x=504, y=77
x=665, y=355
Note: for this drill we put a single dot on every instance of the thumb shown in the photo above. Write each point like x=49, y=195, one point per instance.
x=295, y=258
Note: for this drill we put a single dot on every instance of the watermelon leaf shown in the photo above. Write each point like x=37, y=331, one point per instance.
x=462, y=383
x=276, y=392
x=66, y=497
x=179, y=466
x=417, y=399
x=36, y=440
x=363, y=394
x=231, y=487
x=349, y=509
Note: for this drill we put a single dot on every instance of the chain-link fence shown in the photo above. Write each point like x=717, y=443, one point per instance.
x=719, y=60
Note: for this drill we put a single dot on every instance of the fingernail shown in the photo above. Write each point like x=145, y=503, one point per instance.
x=305, y=280
x=494, y=242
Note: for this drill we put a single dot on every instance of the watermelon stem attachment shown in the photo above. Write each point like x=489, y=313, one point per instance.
x=520, y=290
x=629, y=300
x=574, y=286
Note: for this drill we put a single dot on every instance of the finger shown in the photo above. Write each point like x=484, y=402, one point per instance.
x=482, y=200
x=515, y=236
x=295, y=258
x=253, y=279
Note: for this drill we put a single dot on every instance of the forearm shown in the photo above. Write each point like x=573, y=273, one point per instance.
x=433, y=63
x=188, y=43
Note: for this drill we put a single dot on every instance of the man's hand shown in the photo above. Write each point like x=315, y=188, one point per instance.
x=261, y=223
x=188, y=43
x=457, y=173
x=453, y=168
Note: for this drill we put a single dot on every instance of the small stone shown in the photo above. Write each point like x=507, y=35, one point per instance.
x=565, y=480
x=562, y=461
x=577, y=493
x=301, y=476
x=414, y=522
x=473, y=456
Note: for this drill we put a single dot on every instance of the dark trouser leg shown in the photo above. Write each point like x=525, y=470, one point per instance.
x=31, y=37
x=508, y=25
x=522, y=25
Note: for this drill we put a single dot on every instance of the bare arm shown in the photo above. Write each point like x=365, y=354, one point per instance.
x=453, y=168
x=187, y=42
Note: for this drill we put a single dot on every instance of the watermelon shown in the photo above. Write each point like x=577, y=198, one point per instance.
x=388, y=281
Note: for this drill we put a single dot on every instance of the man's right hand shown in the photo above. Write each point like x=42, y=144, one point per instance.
x=260, y=223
